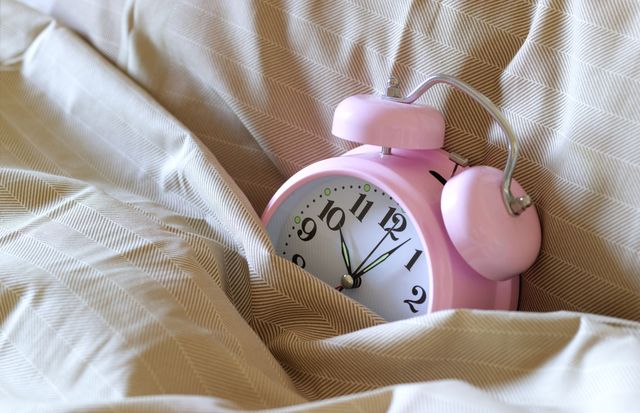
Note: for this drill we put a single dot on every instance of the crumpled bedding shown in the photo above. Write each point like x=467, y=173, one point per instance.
x=140, y=140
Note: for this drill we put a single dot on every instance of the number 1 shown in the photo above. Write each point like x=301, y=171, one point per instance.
x=413, y=260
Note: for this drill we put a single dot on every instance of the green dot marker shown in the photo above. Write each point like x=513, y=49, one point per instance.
x=327, y=191
x=297, y=219
x=367, y=188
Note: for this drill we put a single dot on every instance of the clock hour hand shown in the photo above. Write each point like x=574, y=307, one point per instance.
x=386, y=234
x=379, y=260
x=346, y=257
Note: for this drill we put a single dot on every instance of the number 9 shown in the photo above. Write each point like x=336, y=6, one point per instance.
x=307, y=231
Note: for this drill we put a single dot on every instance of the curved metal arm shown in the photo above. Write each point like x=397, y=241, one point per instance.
x=515, y=205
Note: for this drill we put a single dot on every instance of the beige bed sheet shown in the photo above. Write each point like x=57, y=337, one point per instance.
x=135, y=274
x=257, y=81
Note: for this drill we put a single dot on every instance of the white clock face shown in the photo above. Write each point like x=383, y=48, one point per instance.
x=343, y=225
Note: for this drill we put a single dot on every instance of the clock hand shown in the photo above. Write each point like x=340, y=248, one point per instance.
x=345, y=257
x=387, y=232
x=354, y=281
x=345, y=252
x=378, y=260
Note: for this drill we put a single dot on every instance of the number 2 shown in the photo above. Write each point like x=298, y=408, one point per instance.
x=416, y=291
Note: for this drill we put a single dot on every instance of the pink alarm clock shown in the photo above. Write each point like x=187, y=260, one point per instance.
x=399, y=224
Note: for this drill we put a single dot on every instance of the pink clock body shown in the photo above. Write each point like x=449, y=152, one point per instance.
x=402, y=226
x=414, y=179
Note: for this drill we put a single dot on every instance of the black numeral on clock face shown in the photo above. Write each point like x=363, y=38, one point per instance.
x=413, y=260
x=307, y=229
x=421, y=295
x=363, y=212
x=298, y=260
x=399, y=222
x=334, y=215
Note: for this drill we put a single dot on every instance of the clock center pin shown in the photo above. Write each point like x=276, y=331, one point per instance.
x=349, y=282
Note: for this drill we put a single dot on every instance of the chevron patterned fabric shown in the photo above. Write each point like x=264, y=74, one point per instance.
x=140, y=141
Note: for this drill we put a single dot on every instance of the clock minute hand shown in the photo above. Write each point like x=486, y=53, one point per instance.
x=379, y=260
x=387, y=232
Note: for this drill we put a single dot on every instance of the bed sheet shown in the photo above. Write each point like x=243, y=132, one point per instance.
x=257, y=82
x=139, y=148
